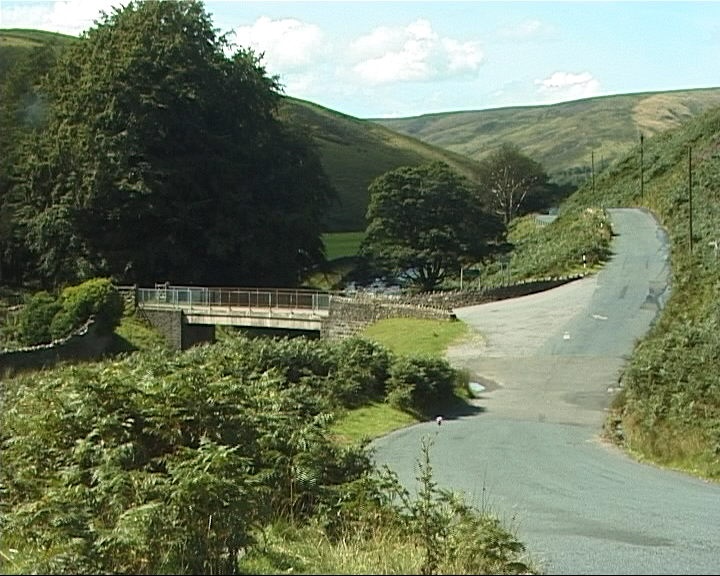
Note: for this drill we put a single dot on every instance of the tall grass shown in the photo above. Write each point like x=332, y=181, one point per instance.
x=431, y=532
x=577, y=242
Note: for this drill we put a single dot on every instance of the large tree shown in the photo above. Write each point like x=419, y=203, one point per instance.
x=509, y=178
x=22, y=112
x=424, y=223
x=163, y=159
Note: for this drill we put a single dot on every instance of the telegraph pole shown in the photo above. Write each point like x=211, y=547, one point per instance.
x=690, y=195
x=592, y=169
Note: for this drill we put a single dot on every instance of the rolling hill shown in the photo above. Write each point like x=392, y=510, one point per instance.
x=16, y=41
x=354, y=152
x=562, y=137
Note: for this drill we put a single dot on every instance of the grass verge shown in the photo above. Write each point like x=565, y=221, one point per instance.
x=370, y=421
x=415, y=336
x=407, y=336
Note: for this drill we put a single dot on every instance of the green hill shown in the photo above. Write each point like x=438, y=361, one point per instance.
x=562, y=137
x=669, y=410
x=354, y=152
x=15, y=42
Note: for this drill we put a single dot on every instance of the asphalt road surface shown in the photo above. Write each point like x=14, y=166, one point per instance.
x=531, y=453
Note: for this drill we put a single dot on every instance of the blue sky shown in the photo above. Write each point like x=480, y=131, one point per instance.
x=406, y=58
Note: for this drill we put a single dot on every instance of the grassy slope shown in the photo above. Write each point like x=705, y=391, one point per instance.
x=669, y=411
x=561, y=136
x=17, y=41
x=355, y=152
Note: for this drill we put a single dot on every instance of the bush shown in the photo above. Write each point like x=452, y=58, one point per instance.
x=36, y=317
x=419, y=383
x=361, y=371
x=96, y=297
x=161, y=462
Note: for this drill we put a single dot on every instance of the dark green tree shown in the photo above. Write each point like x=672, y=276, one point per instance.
x=508, y=179
x=22, y=112
x=163, y=159
x=424, y=221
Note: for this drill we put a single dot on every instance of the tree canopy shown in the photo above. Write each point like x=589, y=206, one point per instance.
x=424, y=223
x=509, y=178
x=163, y=159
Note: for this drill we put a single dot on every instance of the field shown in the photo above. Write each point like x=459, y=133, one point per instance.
x=342, y=244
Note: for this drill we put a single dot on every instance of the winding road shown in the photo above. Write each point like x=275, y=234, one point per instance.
x=532, y=454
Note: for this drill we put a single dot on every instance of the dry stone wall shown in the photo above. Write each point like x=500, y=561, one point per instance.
x=83, y=344
x=348, y=316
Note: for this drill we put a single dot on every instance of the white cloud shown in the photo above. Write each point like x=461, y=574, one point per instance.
x=528, y=30
x=412, y=53
x=288, y=44
x=66, y=16
x=563, y=86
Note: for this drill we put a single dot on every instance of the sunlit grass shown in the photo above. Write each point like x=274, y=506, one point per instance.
x=369, y=421
x=416, y=336
x=308, y=550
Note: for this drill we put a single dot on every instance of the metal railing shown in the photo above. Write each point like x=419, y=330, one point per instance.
x=248, y=298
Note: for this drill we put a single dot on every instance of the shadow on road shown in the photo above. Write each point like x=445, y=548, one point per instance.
x=459, y=408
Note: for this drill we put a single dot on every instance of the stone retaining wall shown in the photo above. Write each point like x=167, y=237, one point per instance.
x=83, y=344
x=458, y=298
x=348, y=316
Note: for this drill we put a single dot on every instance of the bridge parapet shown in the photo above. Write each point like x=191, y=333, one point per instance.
x=189, y=314
x=186, y=297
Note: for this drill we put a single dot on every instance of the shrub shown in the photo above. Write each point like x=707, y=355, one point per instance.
x=419, y=383
x=361, y=371
x=96, y=297
x=36, y=317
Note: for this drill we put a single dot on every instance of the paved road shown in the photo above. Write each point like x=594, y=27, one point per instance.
x=532, y=453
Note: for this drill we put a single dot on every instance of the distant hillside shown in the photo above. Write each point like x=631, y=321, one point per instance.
x=16, y=41
x=354, y=152
x=561, y=136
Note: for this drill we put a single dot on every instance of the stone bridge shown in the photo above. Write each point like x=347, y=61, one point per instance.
x=188, y=314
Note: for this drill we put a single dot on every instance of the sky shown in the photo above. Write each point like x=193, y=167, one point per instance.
x=376, y=59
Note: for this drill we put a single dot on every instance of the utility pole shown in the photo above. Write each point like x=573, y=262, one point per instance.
x=592, y=169
x=642, y=174
x=690, y=195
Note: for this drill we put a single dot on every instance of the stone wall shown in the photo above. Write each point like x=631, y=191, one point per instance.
x=348, y=316
x=168, y=323
x=83, y=344
x=459, y=298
